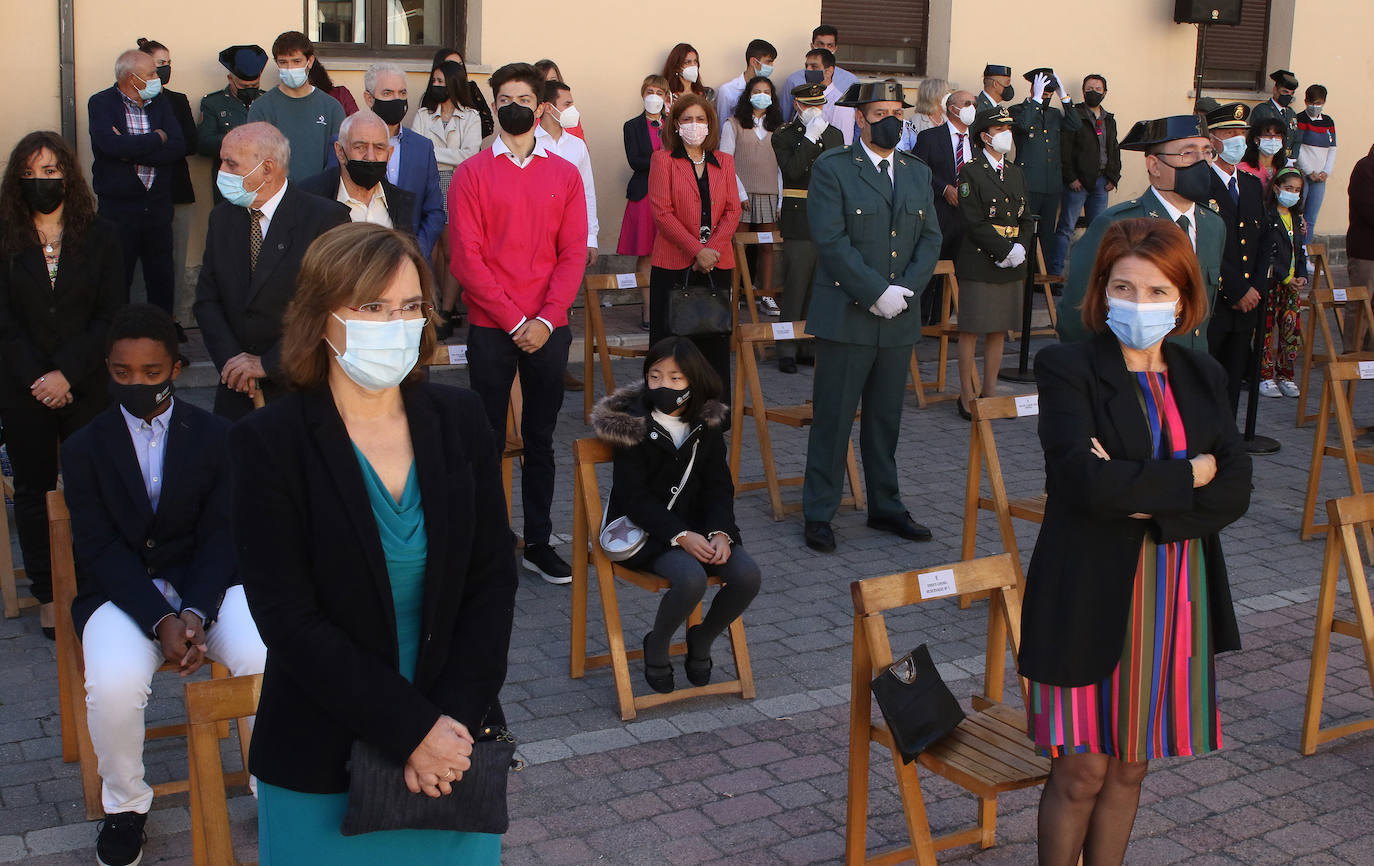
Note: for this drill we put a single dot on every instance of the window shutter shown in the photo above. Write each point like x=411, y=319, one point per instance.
x=1236, y=57
x=880, y=35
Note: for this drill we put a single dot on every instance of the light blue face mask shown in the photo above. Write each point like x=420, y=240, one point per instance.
x=1287, y=198
x=761, y=101
x=1233, y=149
x=766, y=70
x=293, y=78
x=380, y=354
x=151, y=87
x=231, y=187
x=1141, y=326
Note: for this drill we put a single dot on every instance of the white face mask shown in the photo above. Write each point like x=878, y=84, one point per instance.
x=810, y=114
x=1270, y=146
x=693, y=134
x=967, y=113
x=380, y=354
x=653, y=103
x=690, y=73
x=1001, y=142
x=568, y=117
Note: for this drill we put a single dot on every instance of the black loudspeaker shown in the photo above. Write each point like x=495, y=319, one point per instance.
x=1207, y=11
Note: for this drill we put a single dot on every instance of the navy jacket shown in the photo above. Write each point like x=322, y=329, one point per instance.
x=1243, y=264
x=639, y=148
x=936, y=149
x=418, y=174
x=113, y=176
x=121, y=544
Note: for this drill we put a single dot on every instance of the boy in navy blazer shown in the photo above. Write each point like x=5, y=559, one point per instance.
x=147, y=483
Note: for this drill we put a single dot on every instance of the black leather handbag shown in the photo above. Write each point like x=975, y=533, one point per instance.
x=699, y=311
x=918, y=706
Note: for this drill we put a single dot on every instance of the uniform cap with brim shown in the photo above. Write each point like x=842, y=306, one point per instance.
x=994, y=115
x=809, y=94
x=244, y=62
x=996, y=69
x=1232, y=115
x=873, y=91
x=1147, y=133
x=1047, y=71
x=1284, y=78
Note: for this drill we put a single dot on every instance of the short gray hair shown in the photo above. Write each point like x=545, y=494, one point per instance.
x=376, y=69
x=265, y=141
x=362, y=115
x=127, y=62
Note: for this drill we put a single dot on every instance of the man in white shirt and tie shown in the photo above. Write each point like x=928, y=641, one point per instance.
x=945, y=148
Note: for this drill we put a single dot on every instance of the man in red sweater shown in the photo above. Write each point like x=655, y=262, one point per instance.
x=518, y=232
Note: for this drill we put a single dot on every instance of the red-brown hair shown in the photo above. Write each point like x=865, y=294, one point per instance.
x=672, y=69
x=669, y=131
x=1164, y=245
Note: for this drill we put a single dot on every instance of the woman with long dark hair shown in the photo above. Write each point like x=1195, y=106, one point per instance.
x=61, y=281
x=475, y=100
x=319, y=76
x=748, y=136
x=1265, y=149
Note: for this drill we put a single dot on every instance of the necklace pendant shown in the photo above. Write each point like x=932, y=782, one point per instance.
x=48, y=249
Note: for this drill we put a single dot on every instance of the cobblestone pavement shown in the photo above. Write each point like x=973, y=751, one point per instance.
x=721, y=780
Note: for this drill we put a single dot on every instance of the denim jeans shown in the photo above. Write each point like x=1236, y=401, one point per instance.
x=1316, y=191
x=1085, y=201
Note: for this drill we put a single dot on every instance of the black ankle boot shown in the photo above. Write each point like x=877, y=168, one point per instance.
x=698, y=664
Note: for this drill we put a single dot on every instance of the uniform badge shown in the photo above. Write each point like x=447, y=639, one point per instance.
x=963, y=190
x=1212, y=203
x=992, y=211
x=1240, y=111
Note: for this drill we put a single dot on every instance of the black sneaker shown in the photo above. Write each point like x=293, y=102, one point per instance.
x=550, y=566
x=121, y=839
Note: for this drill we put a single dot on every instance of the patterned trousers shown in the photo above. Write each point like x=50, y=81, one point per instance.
x=1282, y=333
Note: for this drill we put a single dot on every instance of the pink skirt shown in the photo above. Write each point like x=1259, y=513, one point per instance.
x=637, y=232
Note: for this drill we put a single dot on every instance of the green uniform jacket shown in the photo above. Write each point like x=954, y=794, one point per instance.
x=220, y=112
x=1211, y=244
x=1267, y=110
x=869, y=235
x=987, y=201
x=795, y=154
x=982, y=100
x=1038, y=149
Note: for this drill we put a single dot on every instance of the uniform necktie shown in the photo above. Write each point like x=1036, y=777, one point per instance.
x=959, y=154
x=1184, y=224
x=882, y=168
x=1234, y=189
x=254, y=238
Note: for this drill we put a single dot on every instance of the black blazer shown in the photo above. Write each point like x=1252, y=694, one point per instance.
x=313, y=568
x=116, y=151
x=1083, y=155
x=1243, y=264
x=182, y=190
x=121, y=544
x=239, y=312
x=60, y=327
x=639, y=148
x=1078, y=588
x=935, y=148
x=1285, y=248
x=400, y=203
x=648, y=467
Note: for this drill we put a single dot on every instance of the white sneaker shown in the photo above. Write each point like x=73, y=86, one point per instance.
x=1288, y=387
x=1269, y=388
x=769, y=307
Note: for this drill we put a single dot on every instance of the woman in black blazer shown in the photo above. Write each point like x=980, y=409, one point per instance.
x=376, y=555
x=637, y=230
x=1127, y=597
x=61, y=281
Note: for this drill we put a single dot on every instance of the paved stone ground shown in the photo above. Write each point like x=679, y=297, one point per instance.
x=722, y=780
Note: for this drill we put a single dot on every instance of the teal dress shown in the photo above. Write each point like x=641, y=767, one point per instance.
x=295, y=827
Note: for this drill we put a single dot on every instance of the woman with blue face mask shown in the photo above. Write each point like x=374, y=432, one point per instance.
x=381, y=562
x=748, y=135
x=1287, y=256
x=1265, y=151
x=1126, y=597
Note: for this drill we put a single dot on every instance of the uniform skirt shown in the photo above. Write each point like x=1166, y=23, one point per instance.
x=762, y=208
x=985, y=308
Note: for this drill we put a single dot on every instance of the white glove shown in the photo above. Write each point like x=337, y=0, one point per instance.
x=891, y=302
x=1014, y=258
x=1064, y=94
x=1039, y=86
x=815, y=128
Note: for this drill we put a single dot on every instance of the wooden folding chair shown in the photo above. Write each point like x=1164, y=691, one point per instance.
x=928, y=393
x=587, y=512
x=1046, y=282
x=594, y=345
x=1323, y=304
x=9, y=575
x=209, y=705
x=1341, y=547
x=988, y=754
x=1338, y=398
x=982, y=454
x=457, y=356
x=743, y=278
x=748, y=399
x=71, y=668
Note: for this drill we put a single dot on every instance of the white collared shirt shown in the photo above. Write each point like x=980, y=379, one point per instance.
x=1221, y=172
x=269, y=207
x=574, y=150
x=994, y=159
x=954, y=141
x=875, y=159
x=373, y=211
x=498, y=148
x=1175, y=213
x=728, y=94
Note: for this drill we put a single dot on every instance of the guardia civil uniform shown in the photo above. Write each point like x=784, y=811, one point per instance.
x=222, y=110
x=1039, y=152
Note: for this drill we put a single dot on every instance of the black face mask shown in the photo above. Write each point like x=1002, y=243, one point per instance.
x=1008, y=93
x=43, y=194
x=886, y=133
x=1194, y=182
x=438, y=92
x=366, y=173
x=814, y=76
x=393, y=111
x=1283, y=99
x=246, y=95
x=515, y=118
x=667, y=400
x=141, y=400
x=1093, y=98
x=165, y=73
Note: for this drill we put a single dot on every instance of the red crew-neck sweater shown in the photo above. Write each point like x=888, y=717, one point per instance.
x=518, y=238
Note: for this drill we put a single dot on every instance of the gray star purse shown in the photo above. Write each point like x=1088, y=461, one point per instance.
x=621, y=538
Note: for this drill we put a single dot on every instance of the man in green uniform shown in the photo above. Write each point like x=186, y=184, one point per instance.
x=997, y=87
x=872, y=217
x=1038, y=151
x=1177, y=159
x=797, y=144
x=225, y=109
x=1279, y=107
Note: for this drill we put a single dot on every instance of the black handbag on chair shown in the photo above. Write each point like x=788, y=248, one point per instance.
x=918, y=706
x=699, y=311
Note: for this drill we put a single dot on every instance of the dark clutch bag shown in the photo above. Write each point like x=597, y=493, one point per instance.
x=918, y=706
x=378, y=798
x=699, y=311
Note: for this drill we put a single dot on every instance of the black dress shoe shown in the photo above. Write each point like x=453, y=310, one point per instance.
x=787, y=365
x=963, y=413
x=902, y=526
x=697, y=666
x=659, y=677
x=819, y=536
x=181, y=333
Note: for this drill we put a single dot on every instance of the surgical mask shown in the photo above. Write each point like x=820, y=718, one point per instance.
x=293, y=78
x=1141, y=326
x=761, y=101
x=966, y=114
x=246, y=95
x=1315, y=111
x=653, y=103
x=1194, y=182
x=1008, y=93
x=1288, y=198
x=766, y=70
x=231, y=187
x=1270, y=146
x=693, y=134
x=515, y=118
x=1233, y=149
x=667, y=400
x=1001, y=142
x=569, y=117
x=814, y=76
x=151, y=87
x=365, y=172
x=691, y=73
x=1283, y=99
x=810, y=114
x=1094, y=98
x=380, y=354
x=392, y=111
x=164, y=73
x=43, y=194
x=885, y=133
x=140, y=400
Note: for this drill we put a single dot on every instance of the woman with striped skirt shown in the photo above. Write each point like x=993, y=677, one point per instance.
x=1127, y=598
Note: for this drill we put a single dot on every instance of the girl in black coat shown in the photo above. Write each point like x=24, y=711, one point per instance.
x=1287, y=258
x=668, y=436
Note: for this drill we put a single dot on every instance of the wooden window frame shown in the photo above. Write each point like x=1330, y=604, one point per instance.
x=453, y=26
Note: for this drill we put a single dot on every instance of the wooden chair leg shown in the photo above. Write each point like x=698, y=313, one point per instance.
x=856, y=486
x=914, y=809
x=743, y=668
x=1321, y=645
x=987, y=821
x=577, y=651
x=90, y=775
x=1314, y=472
x=860, y=725
x=588, y=389
x=615, y=638
x=916, y=381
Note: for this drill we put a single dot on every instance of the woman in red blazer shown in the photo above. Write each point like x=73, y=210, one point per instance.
x=696, y=204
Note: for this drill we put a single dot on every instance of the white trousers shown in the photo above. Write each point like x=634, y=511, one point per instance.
x=120, y=662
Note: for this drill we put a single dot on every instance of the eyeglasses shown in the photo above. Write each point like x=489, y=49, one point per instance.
x=377, y=311
x=1191, y=156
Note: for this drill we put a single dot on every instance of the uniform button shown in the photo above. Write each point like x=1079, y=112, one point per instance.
x=837, y=283
x=1245, y=258
x=858, y=210
x=894, y=234
x=150, y=544
x=894, y=254
x=892, y=276
x=1242, y=240
x=149, y=569
x=1197, y=333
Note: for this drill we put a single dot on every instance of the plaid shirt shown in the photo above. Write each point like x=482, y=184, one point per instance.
x=136, y=119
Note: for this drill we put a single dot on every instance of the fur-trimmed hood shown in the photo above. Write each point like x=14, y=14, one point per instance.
x=622, y=418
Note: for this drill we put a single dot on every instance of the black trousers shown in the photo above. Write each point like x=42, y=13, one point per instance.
x=1046, y=206
x=716, y=349
x=493, y=363
x=1231, y=348
x=146, y=233
x=33, y=435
